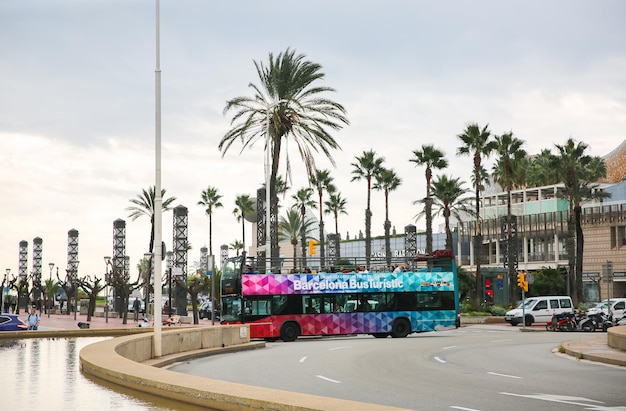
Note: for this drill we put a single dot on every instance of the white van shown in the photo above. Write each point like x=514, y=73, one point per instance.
x=539, y=309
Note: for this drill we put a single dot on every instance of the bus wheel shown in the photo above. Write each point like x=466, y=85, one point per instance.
x=289, y=332
x=401, y=328
x=380, y=335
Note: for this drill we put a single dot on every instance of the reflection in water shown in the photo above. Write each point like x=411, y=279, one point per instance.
x=43, y=374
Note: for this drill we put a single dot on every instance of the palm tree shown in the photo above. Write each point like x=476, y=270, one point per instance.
x=303, y=200
x=144, y=206
x=448, y=201
x=432, y=158
x=336, y=205
x=288, y=103
x=507, y=172
x=386, y=181
x=366, y=167
x=291, y=226
x=576, y=169
x=476, y=143
x=244, y=205
x=210, y=200
x=236, y=246
x=542, y=170
x=322, y=181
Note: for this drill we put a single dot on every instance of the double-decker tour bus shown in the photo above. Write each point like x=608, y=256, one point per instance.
x=384, y=303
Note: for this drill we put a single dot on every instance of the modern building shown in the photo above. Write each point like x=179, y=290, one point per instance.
x=541, y=215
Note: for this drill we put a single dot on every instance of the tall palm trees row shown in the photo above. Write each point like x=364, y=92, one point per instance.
x=513, y=168
x=289, y=105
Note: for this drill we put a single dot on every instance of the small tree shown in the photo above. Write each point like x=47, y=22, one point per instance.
x=194, y=285
x=548, y=281
x=120, y=281
x=91, y=288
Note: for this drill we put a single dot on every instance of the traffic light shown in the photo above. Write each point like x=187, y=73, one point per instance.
x=313, y=247
x=521, y=282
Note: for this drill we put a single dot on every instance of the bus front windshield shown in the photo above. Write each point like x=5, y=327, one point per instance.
x=231, y=309
x=231, y=268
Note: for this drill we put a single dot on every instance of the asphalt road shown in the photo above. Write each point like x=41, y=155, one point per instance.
x=472, y=368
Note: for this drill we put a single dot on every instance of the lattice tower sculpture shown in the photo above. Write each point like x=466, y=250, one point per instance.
x=119, y=253
x=223, y=253
x=260, y=229
x=204, y=253
x=410, y=245
x=23, y=259
x=37, y=250
x=180, y=242
x=333, y=248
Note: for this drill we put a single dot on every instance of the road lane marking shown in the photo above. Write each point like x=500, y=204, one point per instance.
x=565, y=399
x=496, y=341
x=303, y=359
x=328, y=379
x=338, y=348
x=440, y=360
x=447, y=348
x=463, y=408
x=502, y=375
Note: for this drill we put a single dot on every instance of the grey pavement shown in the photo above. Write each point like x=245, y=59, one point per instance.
x=67, y=322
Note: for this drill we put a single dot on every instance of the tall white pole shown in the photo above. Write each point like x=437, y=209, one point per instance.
x=158, y=216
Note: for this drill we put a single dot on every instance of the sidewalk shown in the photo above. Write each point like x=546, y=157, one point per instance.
x=67, y=322
x=595, y=349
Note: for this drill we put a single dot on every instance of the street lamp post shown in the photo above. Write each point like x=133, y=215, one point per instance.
x=49, y=288
x=170, y=254
x=107, y=263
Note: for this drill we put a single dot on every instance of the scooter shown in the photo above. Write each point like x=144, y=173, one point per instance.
x=596, y=321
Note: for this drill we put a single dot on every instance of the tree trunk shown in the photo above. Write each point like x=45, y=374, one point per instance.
x=429, y=225
x=580, y=242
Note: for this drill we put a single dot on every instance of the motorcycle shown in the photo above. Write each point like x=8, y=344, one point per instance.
x=596, y=321
x=563, y=322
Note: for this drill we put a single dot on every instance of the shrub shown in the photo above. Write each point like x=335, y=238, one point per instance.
x=498, y=310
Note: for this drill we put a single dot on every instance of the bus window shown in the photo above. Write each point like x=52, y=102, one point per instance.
x=377, y=302
x=258, y=307
x=279, y=304
x=311, y=304
x=406, y=301
x=328, y=305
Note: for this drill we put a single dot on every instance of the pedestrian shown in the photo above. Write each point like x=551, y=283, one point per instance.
x=33, y=319
x=13, y=304
x=136, y=307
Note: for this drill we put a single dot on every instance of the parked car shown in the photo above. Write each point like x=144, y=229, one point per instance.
x=539, y=309
x=617, y=306
x=11, y=322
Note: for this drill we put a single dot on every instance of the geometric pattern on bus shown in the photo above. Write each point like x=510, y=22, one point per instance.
x=354, y=323
x=277, y=284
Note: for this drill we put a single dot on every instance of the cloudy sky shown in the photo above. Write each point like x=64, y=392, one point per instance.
x=77, y=102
